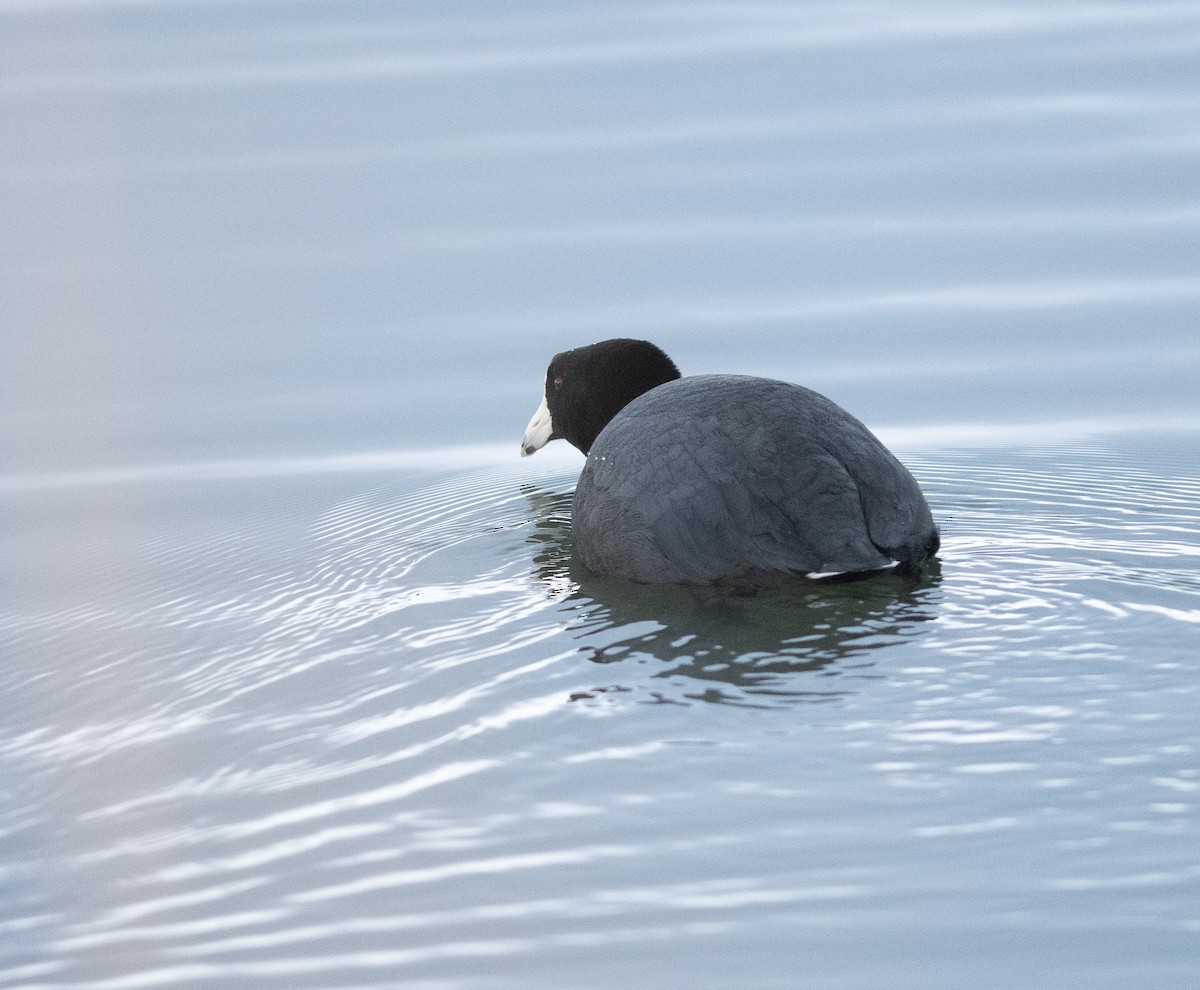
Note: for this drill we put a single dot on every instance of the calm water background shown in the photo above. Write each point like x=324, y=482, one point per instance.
x=301, y=686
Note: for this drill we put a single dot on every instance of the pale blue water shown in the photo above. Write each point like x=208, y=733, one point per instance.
x=302, y=687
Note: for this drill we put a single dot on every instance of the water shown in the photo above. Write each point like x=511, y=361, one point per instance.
x=357, y=727
x=302, y=685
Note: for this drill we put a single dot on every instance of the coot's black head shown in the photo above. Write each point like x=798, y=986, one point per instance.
x=586, y=387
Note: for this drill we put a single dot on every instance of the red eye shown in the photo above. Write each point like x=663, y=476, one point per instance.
x=558, y=383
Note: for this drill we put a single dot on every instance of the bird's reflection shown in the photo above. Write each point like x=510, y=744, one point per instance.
x=803, y=640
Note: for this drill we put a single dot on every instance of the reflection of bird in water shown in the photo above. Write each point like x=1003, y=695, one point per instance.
x=730, y=646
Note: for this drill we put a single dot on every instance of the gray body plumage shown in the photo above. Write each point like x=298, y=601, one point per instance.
x=715, y=476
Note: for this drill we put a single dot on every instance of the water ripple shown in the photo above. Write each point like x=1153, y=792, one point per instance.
x=347, y=684
x=706, y=32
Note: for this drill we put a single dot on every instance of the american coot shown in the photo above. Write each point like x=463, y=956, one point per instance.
x=722, y=476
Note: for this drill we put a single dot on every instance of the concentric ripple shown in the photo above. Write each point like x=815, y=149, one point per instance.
x=340, y=732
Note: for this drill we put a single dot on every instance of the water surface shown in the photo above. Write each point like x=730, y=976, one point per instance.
x=303, y=687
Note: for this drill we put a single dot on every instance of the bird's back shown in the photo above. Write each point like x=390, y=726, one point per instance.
x=719, y=475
